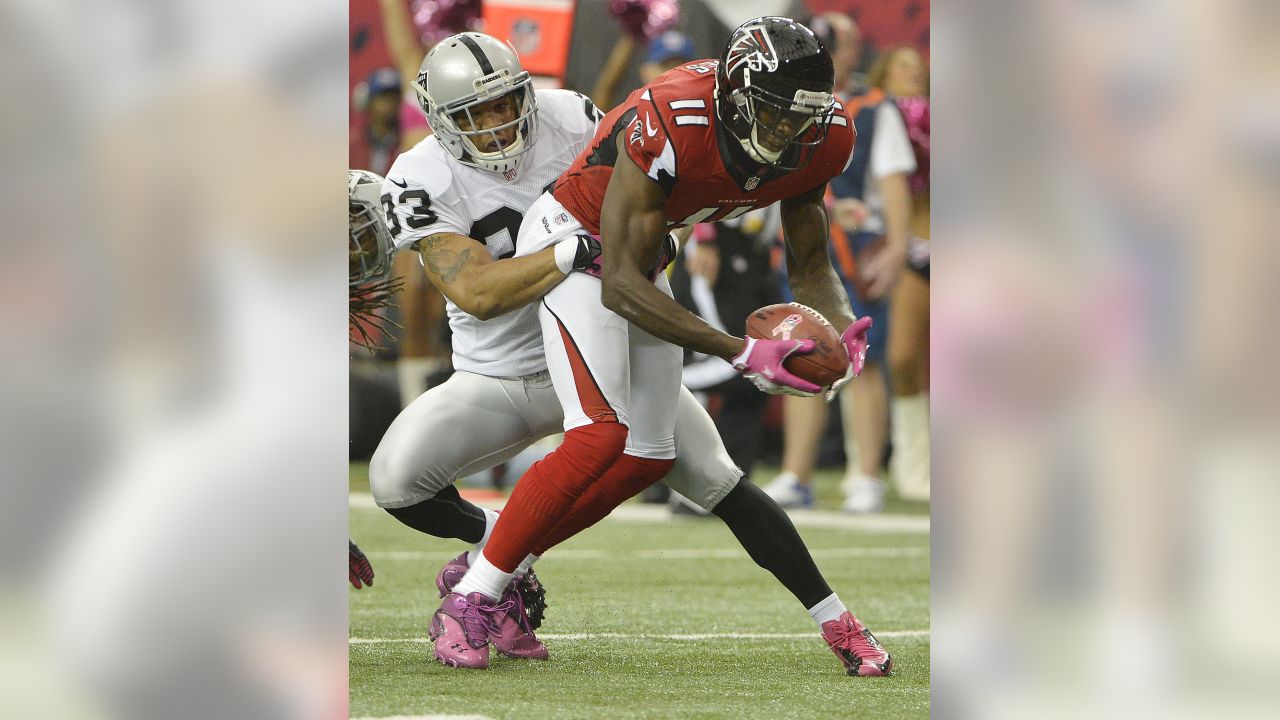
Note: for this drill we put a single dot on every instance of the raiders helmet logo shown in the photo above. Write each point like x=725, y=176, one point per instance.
x=754, y=49
x=785, y=327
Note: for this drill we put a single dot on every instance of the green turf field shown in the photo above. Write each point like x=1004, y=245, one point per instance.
x=620, y=591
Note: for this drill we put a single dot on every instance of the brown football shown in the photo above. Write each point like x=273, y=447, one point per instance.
x=792, y=321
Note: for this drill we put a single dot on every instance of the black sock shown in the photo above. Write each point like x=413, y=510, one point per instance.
x=446, y=515
x=770, y=538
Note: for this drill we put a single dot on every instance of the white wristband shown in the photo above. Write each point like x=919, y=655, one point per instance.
x=566, y=252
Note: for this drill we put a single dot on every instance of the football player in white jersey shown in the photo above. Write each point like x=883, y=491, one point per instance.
x=458, y=198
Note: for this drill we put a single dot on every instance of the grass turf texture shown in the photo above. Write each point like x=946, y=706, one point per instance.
x=616, y=579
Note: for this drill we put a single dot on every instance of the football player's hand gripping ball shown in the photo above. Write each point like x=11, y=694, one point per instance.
x=855, y=343
x=761, y=363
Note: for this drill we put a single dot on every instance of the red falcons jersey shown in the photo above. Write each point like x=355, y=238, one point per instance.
x=670, y=132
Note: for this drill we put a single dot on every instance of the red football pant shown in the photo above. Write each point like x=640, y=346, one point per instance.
x=628, y=477
x=547, y=491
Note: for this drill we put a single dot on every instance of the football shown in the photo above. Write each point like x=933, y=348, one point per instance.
x=792, y=321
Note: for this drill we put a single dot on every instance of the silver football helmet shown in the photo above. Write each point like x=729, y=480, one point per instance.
x=369, y=255
x=463, y=71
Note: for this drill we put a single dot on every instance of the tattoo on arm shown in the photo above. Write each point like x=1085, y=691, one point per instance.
x=443, y=262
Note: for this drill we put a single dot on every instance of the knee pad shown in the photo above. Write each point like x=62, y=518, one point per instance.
x=396, y=481
x=592, y=449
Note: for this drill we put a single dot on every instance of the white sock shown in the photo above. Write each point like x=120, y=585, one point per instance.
x=825, y=611
x=490, y=519
x=485, y=578
x=523, y=569
x=909, y=466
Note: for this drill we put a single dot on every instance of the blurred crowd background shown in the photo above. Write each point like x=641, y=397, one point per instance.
x=1104, y=403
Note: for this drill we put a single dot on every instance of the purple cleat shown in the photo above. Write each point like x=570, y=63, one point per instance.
x=522, y=608
x=461, y=629
x=514, y=635
x=451, y=574
x=858, y=650
x=533, y=593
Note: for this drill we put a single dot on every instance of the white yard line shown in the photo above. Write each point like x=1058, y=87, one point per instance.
x=644, y=513
x=650, y=636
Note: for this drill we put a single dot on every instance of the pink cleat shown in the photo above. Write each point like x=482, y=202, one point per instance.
x=461, y=628
x=451, y=574
x=858, y=650
x=514, y=635
x=533, y=594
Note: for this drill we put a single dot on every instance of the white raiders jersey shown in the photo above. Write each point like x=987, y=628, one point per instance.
x=427, y=191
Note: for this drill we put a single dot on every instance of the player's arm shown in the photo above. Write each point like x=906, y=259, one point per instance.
x=633, y=223
x=397, y=27
x=813, y=280
x=461, y=269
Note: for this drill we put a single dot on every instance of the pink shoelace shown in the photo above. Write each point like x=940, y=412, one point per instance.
x=481, y=621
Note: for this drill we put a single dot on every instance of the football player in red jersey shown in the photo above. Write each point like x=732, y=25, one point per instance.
x=706, y=141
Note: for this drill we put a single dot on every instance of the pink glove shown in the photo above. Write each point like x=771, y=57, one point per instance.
x=855, y=343
x=761, y=363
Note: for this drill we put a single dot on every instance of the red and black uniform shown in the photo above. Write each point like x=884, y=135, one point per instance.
x=617, y=384
x=670, y=129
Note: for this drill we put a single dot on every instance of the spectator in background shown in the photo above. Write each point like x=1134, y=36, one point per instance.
x=423, y=353
x=668, y=50
x=844, y=41
x=727, y=275
x=902, y=73
x=407, y=51
x=375, y=140
x=871, y=210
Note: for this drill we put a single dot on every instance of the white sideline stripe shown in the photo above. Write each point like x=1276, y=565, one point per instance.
x=649, y=636
x=692, y=120
x=677, y=554
x=639, y=512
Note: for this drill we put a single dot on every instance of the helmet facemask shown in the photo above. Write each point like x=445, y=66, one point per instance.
x=459, y=123
x=369, y=254
x=778, y=130
x=370, y=285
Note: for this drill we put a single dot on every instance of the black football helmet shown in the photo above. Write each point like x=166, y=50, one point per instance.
x=774, y=91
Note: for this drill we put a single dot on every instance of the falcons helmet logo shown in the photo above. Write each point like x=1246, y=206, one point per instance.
x=753, y=48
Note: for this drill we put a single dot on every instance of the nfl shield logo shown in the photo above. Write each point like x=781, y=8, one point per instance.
x=562, y=218
x=526, y=36
x=752, y=182
x=510, y=175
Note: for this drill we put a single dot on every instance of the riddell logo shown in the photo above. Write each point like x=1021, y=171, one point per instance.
x=787, y=325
